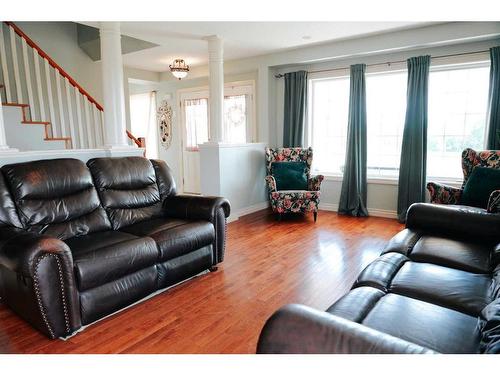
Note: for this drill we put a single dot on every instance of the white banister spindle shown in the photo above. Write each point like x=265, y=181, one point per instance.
x=79, y=118
x=38, y=78
x=27, y=73
x=97, y=126
x=70, y=113
x=15, y=64
x=60, y=104
x=88, y=126
x=55, y=132
x=5, y=71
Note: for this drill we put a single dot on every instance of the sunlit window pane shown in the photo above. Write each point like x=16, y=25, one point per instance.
x=329, y=124
x=457, y=118
x=235, y=118
x=386, y=106
x=196, y=112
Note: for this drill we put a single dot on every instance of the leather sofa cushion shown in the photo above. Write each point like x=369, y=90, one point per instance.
x=489, y=325
x=174, y=237
x=467, y=256
x=356, y=304
x=431, y=326
x=381, y=271
x=106, y=256
x=459, y=290
x=128, y=189
x=56, y=197
x=8, y=213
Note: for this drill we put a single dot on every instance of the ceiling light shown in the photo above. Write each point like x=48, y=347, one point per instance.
x=179, y=69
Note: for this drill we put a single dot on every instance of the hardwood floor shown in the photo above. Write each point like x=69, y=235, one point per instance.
x=268, y=264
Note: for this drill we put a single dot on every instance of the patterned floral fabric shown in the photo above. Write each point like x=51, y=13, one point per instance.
x=444, y=194
x=494, y=202
x=293, y=200
x=470, y=158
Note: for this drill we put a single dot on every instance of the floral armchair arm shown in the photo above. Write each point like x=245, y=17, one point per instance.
x=494, y=202
x=271, y=183
x=444, y=194
x=314, y=182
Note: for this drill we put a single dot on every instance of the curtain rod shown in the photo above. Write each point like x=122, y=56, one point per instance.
x=390, y=62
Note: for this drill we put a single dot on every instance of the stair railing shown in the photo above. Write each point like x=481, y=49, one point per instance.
x=53, y=96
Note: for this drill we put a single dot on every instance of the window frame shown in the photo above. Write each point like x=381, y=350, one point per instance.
x=439, y=64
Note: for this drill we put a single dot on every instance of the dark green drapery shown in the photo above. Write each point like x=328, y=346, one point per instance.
x=353, y=193
x=494, y=100
x=295, y=108
x=412, y=168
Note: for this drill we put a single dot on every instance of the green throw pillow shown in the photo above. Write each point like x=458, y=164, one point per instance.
x=481, y=183
x=289, y=175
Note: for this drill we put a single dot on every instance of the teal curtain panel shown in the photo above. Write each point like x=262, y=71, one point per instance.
x=295, y=109
x=412, y=168
x=353, y=193
x=494, y=100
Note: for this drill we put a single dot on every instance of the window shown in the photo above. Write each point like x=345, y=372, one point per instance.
x=329, y=105
x=235, y=119
x=143, y=121
x=457, y=117
x=385, y=107
x=196, y=122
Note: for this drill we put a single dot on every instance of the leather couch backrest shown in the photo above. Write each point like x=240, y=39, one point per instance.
x=56, y=197
x=132, y=189
x=8, y=213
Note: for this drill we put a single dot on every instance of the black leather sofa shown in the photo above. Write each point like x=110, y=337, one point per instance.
x=78, y=242
x=434, y=289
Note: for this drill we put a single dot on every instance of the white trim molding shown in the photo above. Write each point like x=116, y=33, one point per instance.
x=237, y=214
x=377, y=212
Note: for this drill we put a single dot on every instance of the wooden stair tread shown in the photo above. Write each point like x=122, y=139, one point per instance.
x=15, y=105
x=36, y=122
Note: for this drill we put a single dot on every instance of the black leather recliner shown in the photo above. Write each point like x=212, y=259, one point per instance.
x=435, y=288
x=80, y=242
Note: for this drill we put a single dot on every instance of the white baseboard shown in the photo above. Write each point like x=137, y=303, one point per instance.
x=372, y=211
x=247, y=210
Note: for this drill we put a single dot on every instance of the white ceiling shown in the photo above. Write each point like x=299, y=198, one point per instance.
x=241, y=39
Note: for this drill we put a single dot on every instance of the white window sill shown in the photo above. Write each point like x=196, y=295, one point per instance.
x=394, y=181
x=370, y=180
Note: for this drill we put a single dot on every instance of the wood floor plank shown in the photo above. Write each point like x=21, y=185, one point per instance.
x=268, y=264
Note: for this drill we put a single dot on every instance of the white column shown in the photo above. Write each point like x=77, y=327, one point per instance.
x=263, y=104
x=112, y=86
x=216, y=82
x=3, y=139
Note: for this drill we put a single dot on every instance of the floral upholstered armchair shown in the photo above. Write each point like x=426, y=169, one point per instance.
x=285, y=201
x=450, y=195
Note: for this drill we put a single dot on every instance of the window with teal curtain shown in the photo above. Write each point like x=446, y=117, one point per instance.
x=412, y=169
x=295, y=107
x=353, y=193
x=494, y=100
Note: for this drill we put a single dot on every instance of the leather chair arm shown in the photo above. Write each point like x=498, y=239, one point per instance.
x=444, y=194
x=494, y=202
x=213, y=209
x=454, y=220
x=38, y=283
x=271, y=183
x=314, y=182
x=297, y=329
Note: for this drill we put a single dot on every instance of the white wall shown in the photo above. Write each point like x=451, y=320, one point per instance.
x=440, y=39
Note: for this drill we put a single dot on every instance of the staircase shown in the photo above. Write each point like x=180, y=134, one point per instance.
x=46, y=111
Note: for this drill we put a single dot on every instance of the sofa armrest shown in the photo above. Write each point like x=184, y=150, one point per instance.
x=454, y=220
x=271, y=183
x=213, y=209
x=314, y=182
x=297, y=329
x=494, y=202
x=444, y=194
x=38, y=283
